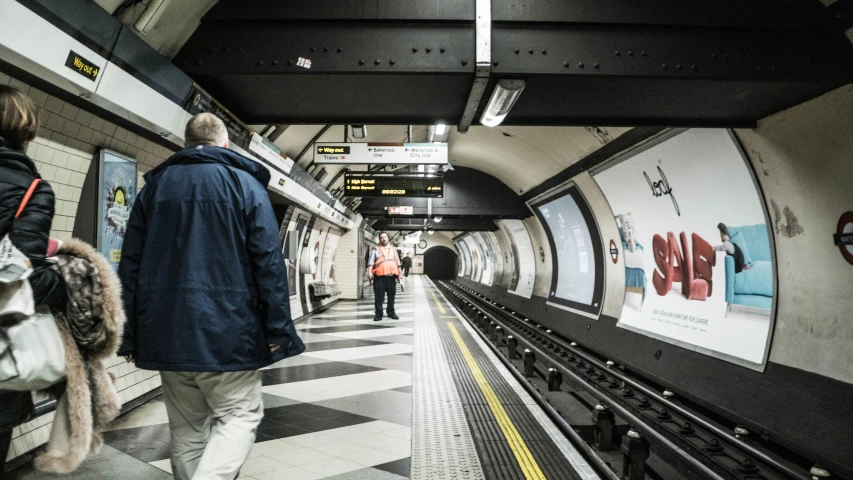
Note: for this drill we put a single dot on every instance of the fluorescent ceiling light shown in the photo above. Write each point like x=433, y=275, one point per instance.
x=503, y=98
x=359, y=131
x=438, y=133
x=437, y=219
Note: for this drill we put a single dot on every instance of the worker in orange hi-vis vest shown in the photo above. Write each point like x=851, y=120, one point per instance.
x=383, y=269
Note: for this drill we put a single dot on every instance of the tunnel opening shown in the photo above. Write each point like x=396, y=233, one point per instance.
x=440, y=263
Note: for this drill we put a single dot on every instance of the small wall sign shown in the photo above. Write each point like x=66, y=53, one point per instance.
x=82, y=66
x=844, y=236
x=614, y=252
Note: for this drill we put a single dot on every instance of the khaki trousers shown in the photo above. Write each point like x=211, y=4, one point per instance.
x=213, y=419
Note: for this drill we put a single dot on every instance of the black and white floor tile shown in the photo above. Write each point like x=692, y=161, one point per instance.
x=342, y=410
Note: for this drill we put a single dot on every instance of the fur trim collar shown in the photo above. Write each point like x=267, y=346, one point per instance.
x=114, y=317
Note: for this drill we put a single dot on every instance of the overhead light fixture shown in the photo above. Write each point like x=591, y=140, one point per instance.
x=359, y=131
x=438, y=133
x=503, y=98
x=437, y=219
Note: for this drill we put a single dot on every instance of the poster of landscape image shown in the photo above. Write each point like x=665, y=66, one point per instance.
x=116, y=197
x=698, y=252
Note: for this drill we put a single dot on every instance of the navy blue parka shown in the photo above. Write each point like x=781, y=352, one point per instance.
x=205, y=283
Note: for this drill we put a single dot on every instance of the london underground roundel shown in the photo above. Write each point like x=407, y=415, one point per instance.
x=845, y=230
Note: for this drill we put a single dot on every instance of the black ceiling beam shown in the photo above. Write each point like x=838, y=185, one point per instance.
x=468, y=193
x=605, y=62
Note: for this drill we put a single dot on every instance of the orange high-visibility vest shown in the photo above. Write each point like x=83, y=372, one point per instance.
x=386, y=266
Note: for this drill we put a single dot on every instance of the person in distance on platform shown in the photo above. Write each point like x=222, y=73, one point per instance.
x=407, y=264
x=205, y=290
x=383, y=269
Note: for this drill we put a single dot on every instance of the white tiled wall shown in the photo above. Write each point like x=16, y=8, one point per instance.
x=63, y=153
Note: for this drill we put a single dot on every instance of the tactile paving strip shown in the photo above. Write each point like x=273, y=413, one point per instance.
x=442, y=444
x=578, y=461
x=497, y=458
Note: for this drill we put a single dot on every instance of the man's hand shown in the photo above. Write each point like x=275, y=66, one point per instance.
x=130, y=359
x=273, y=347
x=370, y=275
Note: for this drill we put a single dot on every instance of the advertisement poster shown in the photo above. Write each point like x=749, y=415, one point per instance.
x=465, y=256
x=493, y=251
x=330, y=246
x=487, y=275
x=315, y=253
x=477, y=259
x=523, y=258
x=291, y=262
x=116, y=196
x=577, y=281
x=702, y=271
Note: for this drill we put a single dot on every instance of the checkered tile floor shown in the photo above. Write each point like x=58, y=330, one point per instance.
x=341, y=410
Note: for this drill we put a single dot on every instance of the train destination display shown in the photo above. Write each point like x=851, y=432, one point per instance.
x=389, y=185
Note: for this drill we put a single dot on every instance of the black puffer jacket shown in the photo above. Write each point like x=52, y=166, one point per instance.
x=29, y=233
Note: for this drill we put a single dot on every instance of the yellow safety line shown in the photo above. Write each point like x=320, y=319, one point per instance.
x=522, y=454
x=440, y=307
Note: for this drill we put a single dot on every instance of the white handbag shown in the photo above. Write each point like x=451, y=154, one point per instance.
x=32, y=355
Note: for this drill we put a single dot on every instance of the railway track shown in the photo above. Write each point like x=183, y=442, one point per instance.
x=629, y=427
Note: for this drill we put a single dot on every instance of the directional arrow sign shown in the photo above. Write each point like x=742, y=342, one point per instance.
x=380, y=153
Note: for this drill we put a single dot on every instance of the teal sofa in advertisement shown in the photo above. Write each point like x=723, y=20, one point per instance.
x=752, y=287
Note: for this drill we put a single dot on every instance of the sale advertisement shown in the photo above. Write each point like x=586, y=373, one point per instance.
x=699, y=261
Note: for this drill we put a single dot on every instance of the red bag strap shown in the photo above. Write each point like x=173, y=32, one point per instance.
x=27, y=197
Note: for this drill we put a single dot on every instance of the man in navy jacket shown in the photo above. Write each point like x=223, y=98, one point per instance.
x=205, y=292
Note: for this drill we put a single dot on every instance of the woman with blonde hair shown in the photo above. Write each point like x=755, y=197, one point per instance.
x=29, y=231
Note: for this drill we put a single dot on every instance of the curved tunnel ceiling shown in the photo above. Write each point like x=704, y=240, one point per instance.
x=521, y=157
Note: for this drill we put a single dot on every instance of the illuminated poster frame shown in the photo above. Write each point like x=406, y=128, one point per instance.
x=674, y=199
x=117, y=192
x=593, y=309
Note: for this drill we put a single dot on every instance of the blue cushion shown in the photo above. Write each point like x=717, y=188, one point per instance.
x=758, y=280
x=757, y=238
x=741, y=242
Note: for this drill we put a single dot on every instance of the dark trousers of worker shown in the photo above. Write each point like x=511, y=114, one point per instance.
x=381, y=286
x=5, y=442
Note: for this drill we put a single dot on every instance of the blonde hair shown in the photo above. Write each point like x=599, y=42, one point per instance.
x=19, y=121
x=205, y=129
